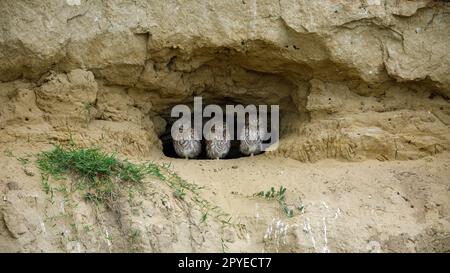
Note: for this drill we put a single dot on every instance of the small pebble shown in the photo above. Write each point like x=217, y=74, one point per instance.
x=28, y=172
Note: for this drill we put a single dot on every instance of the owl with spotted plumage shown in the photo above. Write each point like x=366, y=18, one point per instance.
x=186, y=142
x=218, y=142
x=251, y=143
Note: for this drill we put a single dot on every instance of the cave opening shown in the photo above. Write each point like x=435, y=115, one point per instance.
x=234, y=152
x=224, y=79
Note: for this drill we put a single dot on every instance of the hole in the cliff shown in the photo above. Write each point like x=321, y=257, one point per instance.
x=223, y=76
x=234, y=152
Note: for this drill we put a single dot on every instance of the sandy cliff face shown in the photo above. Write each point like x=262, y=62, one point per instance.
x=355, y=80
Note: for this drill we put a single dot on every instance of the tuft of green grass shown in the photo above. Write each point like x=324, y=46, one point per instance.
x=300, y=206
x=134, y=236
x=47, y=188
x=87, y=228
x=89, y=164
x=8, y=153
x=97, y=173
x=272, y=194
x=204, y=217
x=87, y=112
x=131, y=172
x=153, y=169
x=278, y=195
x=23, y=161
x=179, y=193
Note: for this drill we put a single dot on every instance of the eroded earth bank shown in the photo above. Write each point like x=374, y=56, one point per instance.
x=363, y=89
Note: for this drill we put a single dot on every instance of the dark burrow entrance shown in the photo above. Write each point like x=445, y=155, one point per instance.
x=225, y=76
x=234, y=152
